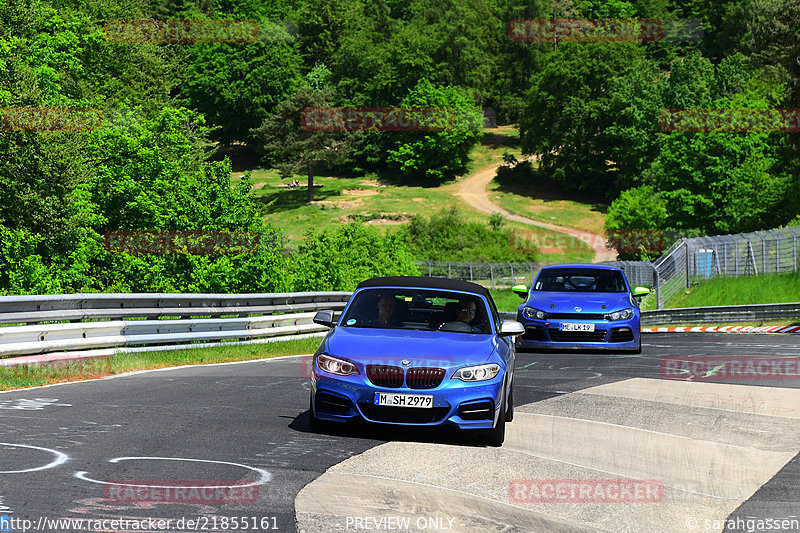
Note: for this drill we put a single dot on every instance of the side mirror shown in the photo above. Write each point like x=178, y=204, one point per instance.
x=324, y=318
x=639, y=292
x=521, y=291
x=511, y=328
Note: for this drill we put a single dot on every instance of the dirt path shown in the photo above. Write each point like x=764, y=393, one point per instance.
x=472, y=189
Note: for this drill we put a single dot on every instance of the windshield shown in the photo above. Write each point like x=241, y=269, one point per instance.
x=422, y=309
x=580, y=280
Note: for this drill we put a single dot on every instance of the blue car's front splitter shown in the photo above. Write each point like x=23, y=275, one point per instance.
x=538, y=334
x=342, y=399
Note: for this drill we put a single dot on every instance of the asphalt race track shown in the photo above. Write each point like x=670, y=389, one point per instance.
x=722, y=454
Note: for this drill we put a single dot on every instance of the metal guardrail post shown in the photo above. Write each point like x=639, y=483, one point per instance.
x=491, y=275
x=470, y=271
x=430, y=269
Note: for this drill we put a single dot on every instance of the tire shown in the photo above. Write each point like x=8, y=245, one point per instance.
x=510, y=409
x=496, y=435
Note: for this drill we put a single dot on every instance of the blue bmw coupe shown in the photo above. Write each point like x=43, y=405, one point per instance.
x=417, y=351
x=582, y=307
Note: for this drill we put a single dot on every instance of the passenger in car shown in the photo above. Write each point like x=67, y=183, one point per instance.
x=387, y=311
x=466, y=314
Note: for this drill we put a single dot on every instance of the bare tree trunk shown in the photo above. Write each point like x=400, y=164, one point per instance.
x=310, y=182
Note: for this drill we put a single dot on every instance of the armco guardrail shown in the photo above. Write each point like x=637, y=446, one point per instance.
x=722, y=314
x=154, y=319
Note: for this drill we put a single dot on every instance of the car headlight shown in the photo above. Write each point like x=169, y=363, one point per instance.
x=530, y=312
x=625, y=314
x=340, y=367
x=477, y=373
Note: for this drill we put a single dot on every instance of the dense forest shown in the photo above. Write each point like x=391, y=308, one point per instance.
x=591, y=112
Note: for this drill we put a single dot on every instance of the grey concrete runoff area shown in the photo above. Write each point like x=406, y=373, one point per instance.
x=599, y=442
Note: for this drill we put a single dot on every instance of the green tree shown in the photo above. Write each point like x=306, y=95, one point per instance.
x=293, y=148
x=637, y=209
x=435, y=156
x=340, y=258
x=238, y=85
x=566, y=119
x=155, y=177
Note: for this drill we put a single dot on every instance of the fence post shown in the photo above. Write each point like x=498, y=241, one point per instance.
x=657, y=280
x=470, y=270
x=491, y=274
x=430, y=270
x=752, y=257
x=686, y=253
x=531, y=265
x=725, y=256
x=512, y=273
x=777, y=252
x=449, y=271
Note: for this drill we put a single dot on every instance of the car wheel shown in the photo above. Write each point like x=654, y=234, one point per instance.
x=496, y=435
x=639, y=349
x=510, y=409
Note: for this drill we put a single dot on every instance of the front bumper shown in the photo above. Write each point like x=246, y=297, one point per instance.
x=455, y=403
x=608, y=335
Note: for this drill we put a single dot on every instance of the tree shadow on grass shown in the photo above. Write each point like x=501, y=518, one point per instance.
x=243, y=158
x=500, y=140
x=286, y=198
x=529, y=183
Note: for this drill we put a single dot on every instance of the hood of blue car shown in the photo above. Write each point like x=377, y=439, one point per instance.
x=420, y=348
x=589, y=302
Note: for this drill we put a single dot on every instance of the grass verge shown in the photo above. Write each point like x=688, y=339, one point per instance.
x=31, y=376
x=375, y=201
x=754, y=324
x=505, y=300
x=768, y=289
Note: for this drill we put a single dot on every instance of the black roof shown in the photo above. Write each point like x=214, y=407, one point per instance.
x=427, y=283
